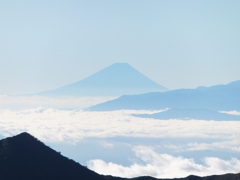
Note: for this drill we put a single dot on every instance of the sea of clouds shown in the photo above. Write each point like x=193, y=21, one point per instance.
x=165, y=165
x=74, y=125
x=61, y=125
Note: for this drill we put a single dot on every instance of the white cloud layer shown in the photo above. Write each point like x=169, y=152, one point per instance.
x=165, y=166
x=71, y=126
x=52, y=125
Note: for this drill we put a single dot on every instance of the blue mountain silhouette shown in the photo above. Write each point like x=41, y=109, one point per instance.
x=191, y=113
x=219, y=98
x=115, y=80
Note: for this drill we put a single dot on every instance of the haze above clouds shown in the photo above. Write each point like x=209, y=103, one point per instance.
x=25, y=102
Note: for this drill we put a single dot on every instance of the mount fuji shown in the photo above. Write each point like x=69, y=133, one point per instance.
x=116, y=80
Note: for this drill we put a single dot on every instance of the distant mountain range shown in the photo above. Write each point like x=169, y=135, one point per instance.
x=23, y=157
x=218, y=98
x=190, y=113
x=115, y=80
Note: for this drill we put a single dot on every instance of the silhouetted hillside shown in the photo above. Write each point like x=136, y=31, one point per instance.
x=115, y=80
x=23, y=157
x=219, y=98
x=191, y=177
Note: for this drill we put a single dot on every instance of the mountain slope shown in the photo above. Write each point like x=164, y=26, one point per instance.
x=115, y=80
x=190, y=113
x=191, y=177
x=24, y=157
x=219, y=97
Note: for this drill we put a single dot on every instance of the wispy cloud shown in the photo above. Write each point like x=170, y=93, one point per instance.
x=231, y=144
x=231, y=112
x=165, y=165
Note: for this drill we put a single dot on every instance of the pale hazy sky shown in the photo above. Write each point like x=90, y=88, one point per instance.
x=178, y=44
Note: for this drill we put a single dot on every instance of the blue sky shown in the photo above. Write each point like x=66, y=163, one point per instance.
x=178, y=44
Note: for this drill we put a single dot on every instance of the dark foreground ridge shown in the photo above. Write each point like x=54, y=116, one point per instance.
x=23, y=157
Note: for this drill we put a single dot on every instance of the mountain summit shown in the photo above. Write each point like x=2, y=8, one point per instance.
x=115, y=80
x=25, y=157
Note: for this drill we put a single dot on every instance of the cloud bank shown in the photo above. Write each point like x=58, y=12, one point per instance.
x=54, y=125
x=64, y=126
x=165, y=166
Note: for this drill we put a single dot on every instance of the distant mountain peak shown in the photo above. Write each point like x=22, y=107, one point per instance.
x=115, y=80
x=118, y=75
x=120, y=63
